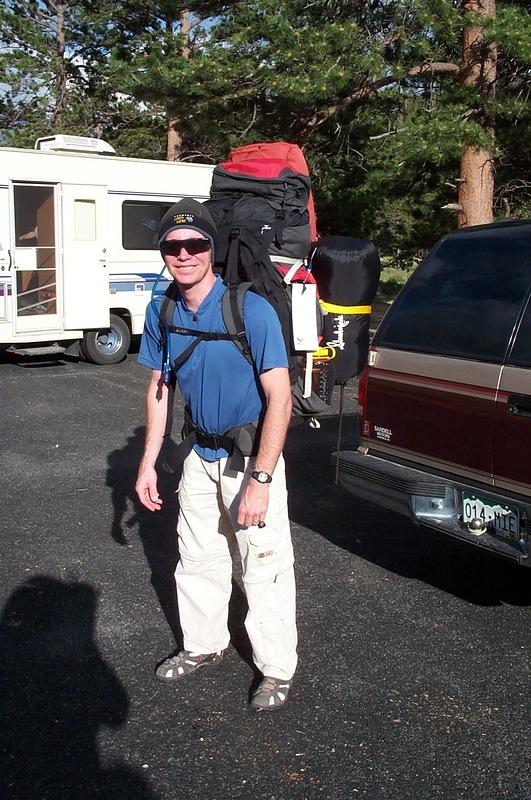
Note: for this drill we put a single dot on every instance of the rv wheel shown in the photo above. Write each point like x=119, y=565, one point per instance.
x=108, y=345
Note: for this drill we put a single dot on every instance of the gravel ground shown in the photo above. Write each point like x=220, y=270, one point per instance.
x=414, y=650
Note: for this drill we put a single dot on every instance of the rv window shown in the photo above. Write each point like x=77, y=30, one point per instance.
x=85, y=220
x=140, y=223
x=34, y=216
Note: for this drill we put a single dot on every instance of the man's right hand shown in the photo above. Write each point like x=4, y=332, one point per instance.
x=146, y=489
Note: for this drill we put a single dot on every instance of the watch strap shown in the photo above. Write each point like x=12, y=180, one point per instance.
x=261, y=476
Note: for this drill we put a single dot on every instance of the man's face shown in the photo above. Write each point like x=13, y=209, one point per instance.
x=189, y=269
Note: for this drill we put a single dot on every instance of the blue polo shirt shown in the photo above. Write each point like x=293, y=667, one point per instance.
x=217, y=382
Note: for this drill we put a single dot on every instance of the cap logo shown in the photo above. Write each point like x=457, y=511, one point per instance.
x=183, y=219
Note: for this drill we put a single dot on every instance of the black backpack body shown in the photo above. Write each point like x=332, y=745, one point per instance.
x=272, y=206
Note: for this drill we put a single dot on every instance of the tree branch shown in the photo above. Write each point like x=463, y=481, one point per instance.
x=420, y=70
x=394, y=132
x=250, y=125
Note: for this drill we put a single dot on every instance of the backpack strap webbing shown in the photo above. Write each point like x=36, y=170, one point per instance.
x=199, y=336
x=236, y=332
x=240, y=441
x=167, y=309
x=232, y=311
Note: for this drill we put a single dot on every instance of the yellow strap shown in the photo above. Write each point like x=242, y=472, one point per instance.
x=324, y=353
x=331, y=308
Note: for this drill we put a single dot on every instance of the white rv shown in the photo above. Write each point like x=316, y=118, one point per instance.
x=78, y=246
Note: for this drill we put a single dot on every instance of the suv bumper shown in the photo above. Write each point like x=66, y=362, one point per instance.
x=432, y=501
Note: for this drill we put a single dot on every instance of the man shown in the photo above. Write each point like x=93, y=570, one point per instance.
x=221, y=508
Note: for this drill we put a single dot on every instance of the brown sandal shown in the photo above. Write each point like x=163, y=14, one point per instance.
x=184, y=663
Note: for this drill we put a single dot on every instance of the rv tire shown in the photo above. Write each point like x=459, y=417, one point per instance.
x=107, y=345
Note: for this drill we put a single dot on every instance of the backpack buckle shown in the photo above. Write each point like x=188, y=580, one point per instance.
x=215, y=442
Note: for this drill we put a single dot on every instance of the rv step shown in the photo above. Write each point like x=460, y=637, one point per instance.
x=43, y=350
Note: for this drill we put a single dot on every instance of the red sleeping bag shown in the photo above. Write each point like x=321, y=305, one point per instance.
x=275, y=152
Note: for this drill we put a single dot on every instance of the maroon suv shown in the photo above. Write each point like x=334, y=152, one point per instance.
x=445, y=401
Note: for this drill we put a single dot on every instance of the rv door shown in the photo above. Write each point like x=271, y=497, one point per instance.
x=37, y=281
x=84, y=236
x=6, y=260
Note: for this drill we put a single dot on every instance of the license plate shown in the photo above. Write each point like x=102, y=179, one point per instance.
x=502, y=520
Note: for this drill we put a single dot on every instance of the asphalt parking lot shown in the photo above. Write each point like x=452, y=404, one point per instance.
x=414, y=650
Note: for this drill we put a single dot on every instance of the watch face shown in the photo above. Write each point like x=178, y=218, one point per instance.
x=262, y=477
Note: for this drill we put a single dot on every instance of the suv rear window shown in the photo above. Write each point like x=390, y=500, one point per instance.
x=464, y=299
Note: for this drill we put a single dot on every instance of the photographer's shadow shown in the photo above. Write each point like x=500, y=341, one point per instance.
x=157, y=531
x=56, y=691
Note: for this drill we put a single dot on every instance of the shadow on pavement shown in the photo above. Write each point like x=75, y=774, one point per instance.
x=37, y=361
x=56, y=691
x=157, y=533
x=156, y=530
x=383, y=538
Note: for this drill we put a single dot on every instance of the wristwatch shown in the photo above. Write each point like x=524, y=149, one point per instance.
x=261, y=477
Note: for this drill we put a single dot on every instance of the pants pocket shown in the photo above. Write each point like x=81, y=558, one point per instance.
x=268, y=553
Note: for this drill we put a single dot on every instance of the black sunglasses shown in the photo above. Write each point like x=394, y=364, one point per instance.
x=192, y=246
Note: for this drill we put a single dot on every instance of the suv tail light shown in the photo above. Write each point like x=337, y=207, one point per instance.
x=363, y=391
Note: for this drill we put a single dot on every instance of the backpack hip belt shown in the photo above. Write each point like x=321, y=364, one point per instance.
x=240, y=441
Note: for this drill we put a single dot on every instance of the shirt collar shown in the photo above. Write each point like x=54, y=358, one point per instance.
x=218, y=287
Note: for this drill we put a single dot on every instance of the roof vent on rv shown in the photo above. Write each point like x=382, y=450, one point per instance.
x=76, y=144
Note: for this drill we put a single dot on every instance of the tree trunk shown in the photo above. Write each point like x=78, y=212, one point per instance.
x=476, y=189
x=174, y=139
x=61, y=83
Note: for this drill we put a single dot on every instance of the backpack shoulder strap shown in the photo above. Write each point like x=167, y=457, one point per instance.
x=232, y=311
x=166, y=313
x=166, y=326
x=167, y=308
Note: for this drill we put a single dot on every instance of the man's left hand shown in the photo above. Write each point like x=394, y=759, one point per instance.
x=253, y=504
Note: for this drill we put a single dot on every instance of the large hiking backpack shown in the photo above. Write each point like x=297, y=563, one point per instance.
x=260, y=207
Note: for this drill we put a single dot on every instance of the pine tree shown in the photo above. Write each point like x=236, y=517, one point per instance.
x=389, y=99
x=53, y=59
x=321, y=69
x=160, y=64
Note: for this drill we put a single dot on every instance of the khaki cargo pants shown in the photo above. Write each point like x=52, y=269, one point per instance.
x=208, y=534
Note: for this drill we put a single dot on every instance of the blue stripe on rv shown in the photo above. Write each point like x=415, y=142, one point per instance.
x=137, y=281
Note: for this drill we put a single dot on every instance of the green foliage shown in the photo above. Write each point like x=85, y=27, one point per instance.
x=511, y=30
x=393, y=277
x=383, y=141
